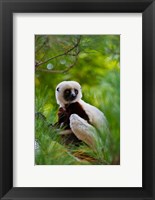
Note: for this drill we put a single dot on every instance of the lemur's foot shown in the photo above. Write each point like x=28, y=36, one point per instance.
x=65, y=132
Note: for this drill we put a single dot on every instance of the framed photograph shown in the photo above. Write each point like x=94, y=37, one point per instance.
x=78, y=133
x=77, y=99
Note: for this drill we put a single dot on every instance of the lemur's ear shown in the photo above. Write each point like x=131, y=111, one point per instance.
x=58, y=89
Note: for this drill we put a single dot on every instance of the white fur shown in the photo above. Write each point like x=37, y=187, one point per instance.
x=63, y=86
x=80, y=127
x=96, y=117
x=83, y=130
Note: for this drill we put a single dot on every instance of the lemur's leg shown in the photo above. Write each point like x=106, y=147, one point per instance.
x=83, y=131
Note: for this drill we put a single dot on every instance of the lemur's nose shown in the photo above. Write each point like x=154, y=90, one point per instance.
x=73, y=94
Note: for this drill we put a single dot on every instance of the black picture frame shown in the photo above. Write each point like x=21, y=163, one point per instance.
x=7, y=8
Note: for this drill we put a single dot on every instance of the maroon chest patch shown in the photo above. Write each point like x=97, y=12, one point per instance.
x=64, y=114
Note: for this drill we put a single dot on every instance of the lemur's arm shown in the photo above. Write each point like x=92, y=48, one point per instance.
x=63, y=118
x=62, y=122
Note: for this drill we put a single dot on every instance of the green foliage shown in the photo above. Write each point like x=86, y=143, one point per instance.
x=49, y=151
x=97, y=69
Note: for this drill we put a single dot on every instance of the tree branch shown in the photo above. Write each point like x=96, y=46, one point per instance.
x=65, y=53
x=58, y=71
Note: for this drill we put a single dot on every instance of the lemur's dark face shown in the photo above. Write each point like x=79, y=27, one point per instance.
x=70, y=94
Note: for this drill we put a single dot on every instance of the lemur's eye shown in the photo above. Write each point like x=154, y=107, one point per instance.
x=67, y=91
x=76, y=91
x=58, y=89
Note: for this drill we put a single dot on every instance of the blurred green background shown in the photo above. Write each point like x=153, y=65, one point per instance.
x=94, y=62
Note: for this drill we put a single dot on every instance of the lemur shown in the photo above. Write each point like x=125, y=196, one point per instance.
x=79, y=120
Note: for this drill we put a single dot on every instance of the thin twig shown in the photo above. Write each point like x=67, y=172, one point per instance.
x=58, y=71
x=62, y=54
x=40, y=47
